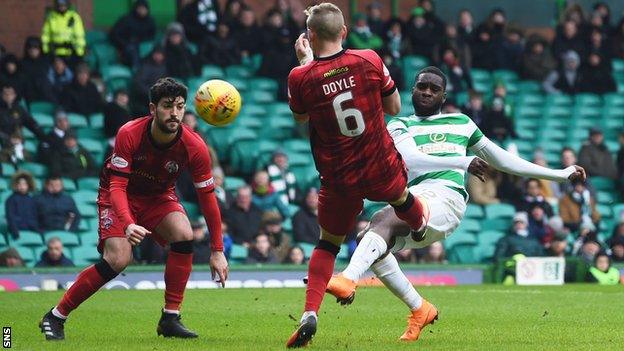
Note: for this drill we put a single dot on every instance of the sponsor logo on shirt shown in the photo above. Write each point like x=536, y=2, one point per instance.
x=171, y=167
x=437, y=137
x=119, y=162
x=336, y=71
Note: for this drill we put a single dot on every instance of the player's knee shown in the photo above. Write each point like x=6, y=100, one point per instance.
x=118, y=261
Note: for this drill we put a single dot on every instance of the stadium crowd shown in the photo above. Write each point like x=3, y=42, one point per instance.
x=272, y=216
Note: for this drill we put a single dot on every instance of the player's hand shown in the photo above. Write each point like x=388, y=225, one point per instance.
x=219, y=265
x=135, y=233
x=303, y=49
x=478, y=168
x=579, y=174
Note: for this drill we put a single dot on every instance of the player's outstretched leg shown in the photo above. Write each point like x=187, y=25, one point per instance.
x=422, y=312
x=117, y=255
x=412, y=211
x=320, y=270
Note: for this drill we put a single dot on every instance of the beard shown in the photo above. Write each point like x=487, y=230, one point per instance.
x=163, y=127
x=421, y=110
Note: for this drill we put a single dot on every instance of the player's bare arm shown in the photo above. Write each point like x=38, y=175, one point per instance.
x=392, y=103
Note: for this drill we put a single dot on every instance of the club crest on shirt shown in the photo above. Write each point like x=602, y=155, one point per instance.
x=171, y=167
x=105, y=219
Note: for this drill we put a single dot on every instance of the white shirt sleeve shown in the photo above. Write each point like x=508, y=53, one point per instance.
x=510, y=163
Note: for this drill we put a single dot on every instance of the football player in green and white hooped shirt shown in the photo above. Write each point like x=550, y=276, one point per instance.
x=434, y=147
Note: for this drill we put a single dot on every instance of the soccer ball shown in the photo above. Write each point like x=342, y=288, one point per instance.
x=217, y=102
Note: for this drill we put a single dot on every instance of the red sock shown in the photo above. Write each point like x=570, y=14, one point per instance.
x=320, y=270
x=87, y=283
x=412, y=212
x=177, y=273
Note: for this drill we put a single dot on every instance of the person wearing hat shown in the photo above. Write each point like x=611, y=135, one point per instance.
x=180, y=60
x=595, y=157
x=281, y=178
x=34, y=68
x=420, y=33
x=361, y=36
x=566, y=78
x=73, y=160
x=132, y=29
x=63, y=33
x=578, y=206
x=518, y=241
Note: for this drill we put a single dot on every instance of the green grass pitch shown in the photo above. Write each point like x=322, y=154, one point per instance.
x=488, y=317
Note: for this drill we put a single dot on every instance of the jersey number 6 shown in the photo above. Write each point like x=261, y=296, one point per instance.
x=350, y=120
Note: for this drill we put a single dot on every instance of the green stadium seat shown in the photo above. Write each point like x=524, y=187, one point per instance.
x=244, y=154
x=240, y=84
x=469, y=225
x=587, y=99
x=115, y=71
x=602, y=183
x=30, y=146
x=531, y=99
x=556, y=111
x=27, y=238
x=504, y=75
x=613, y=100
x=3, y=242
x=88, y=183
x=343, y=254
x=550, y=133
x=90, y=133
x=606, y=197
x=232, y=183
x=86, y=196
x=526, y=112
x=581, y=123
x=238, y=71
x=522, y=123
x=85, y=255
x=260, y=97
x=558, y=100
x=96, y=120
x=279, y=109
x=249, y=121
x=484, y=253
x=36, y=169
x=299, y=160
x=490, y=237
x=212, y=72
x=586, y=112
x=68, y=239
x=90, y=238
x=618, y=211
x=297, y=145
x=264, y=84
x=304, y=175
x=27, y=254
x=463, y=253
x=307, y=249
x=618, y=65
x=459, y=237
x=239, y=134
x=557, y=123
x=4, y=185
x=87, y=210
x=106, y=54
x=192, y=210
x=27, y=134
x=92, y=145
x=45, y=120
x=239, y=252
x=77, y=121
x=474, y=211
x=500, y=224
x=42, y=107
x=145, y=48
x=95, y=36
x=525, y=86
x=83, y=226
x=116, y=83
x=256, y=110
x=69, y=184
x=605, y=211
x=499, y=211
x=482, y=87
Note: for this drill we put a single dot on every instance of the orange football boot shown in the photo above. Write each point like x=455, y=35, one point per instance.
x=418, y=319
x=342, y=288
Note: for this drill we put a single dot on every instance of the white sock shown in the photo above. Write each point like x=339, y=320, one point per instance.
x=306, y=314
x=171, y=311
x=58, y=314
x=370, y=248
x=389, y=272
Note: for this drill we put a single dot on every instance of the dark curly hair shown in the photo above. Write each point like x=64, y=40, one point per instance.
x=167, y=88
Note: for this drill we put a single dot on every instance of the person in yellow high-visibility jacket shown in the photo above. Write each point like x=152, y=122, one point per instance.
x=63, y=33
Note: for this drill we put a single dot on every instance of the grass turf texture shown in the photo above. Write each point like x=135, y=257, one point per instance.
x=488, y=317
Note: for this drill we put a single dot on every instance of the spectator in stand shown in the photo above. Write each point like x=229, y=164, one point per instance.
x=374, y=20
x=294, y=19
x=200, y=19
x=617, y=41
x=596, y=77
x=261, y=252
x=452, y=40
x=518, y=241
x=497, y=126
x=56, y=210
x=569, y=39
x=180, y=61
x=81, y=95
x=265, y=196
x=305, y=221
x=11, y=258
x=484, y=193
x=35, y=68
x=568, y=158
x=73, y=161
x=54, y=256
x=533, y=196
x=602, y=9
x=565, y=79
x=466, y=29
x=361, y=37
x=232, y=13
x=558, y=247
x=538, y=224
x=488, y=40
x=63, y=33
x=620, y=162
x=420, y=33
x=396, y=44
x=277, y=54
x=13, y=116
x=150, y=70
x=116, y=113
x=248, y=35
x=295, y=256
x=595, y=156
x=221, y=49
x=549, y=189
x=617, y=249
x=243, y=217
x=15, y=153
x=54, y=140
x=578, y=206
x=20, y=208
x=509, y=55
x=59, y=76
x=394, y=68
x=10, y=74
x=475, y=109
x=599, y=45
x=224, y=198
x=282, y=179
x=280, y=241
x=458, y=76
x=602, y=272
x=434, y=254
x=537, y=60
x=132, y=29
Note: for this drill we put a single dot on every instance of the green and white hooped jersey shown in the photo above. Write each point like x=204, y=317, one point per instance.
x=440, y=135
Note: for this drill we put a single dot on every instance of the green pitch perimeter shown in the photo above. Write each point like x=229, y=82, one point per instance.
x=488, y=317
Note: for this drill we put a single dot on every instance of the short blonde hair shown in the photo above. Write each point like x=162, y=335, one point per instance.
x=325, y=20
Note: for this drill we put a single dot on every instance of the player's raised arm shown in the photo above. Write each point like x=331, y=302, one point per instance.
x=507, y=162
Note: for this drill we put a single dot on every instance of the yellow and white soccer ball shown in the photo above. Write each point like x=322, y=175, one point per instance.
x=217, y=102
